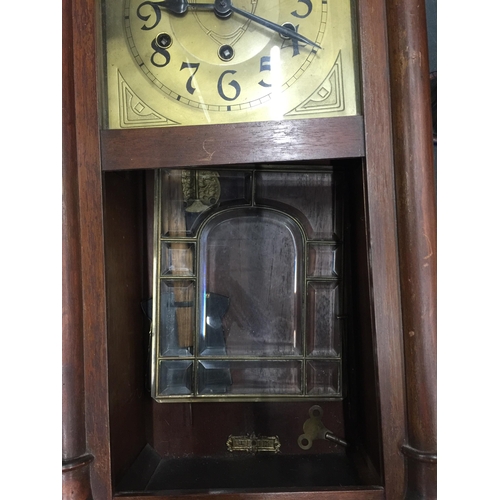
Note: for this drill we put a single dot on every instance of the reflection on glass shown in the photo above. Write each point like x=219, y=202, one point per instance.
x=235, y=187
x=323, y=324
x=249, y=259
x=213, y=340
x=323, y=378
x=246, y=260
x=175, y=222
x=249, y=377
x=323, y=261
x=176, y=318
x=308, y=196
x=189, y=196
x=177, y=259
x=175, y=378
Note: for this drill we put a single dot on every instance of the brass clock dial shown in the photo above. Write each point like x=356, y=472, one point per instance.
x=170, y=62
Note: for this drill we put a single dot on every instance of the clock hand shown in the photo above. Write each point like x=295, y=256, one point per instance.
x=224, y=8
x=173, y=6
x=179, y=6
x=282, y=30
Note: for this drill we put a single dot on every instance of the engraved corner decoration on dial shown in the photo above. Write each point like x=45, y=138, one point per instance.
x=134, y=112
x=328, y=97
x=183, y=68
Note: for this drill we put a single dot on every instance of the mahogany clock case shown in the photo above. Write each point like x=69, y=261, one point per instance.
x=182, y=446
x=113, y=433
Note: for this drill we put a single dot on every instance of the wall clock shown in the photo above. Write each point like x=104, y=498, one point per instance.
x=144, y=99
x=175, y=62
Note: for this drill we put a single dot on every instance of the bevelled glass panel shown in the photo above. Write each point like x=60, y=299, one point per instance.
x=249, y=377
x=235, y=187
x=323, y=324
x=323, y=260
x=241, y=261
x=189, y=195
x=175, y=378
x=250, y=284
x=175, y=221
x=308, y=196
x=177, y=307
x=323, y=378
x=177, y=259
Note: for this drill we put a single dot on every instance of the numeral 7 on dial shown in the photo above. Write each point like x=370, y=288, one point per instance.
x=189, y=83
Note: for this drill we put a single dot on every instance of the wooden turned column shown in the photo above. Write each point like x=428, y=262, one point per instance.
x=416, y=215
x=75, y=460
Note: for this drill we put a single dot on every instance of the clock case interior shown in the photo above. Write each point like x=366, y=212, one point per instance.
x=183, y=446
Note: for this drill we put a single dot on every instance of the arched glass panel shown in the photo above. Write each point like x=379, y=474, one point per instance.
x=251, y=285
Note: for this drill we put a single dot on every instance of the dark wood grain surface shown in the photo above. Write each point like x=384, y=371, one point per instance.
x=232, y=144
x=73, y=388
x=362, y=416
x=382, y=242
x=181, y=430
x=416, y=213
x=344, y=494
x=89, y=176
x=75, y=460
x=127, y=339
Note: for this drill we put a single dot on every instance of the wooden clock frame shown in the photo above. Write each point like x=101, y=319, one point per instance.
x=393, y=138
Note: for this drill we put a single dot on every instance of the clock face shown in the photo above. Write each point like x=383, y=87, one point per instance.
x=262, y=60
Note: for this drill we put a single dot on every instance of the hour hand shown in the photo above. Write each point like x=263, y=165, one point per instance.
x=181, y=6
x=174, y=6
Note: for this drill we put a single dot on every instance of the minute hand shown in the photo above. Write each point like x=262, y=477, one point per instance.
x=276, y=27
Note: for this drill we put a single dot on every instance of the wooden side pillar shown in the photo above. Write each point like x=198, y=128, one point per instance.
x=86, y=61
x=75, y=460
x=382, y=241
x=416, y=213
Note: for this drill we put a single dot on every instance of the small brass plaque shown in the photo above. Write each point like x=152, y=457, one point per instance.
x=253, y=444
